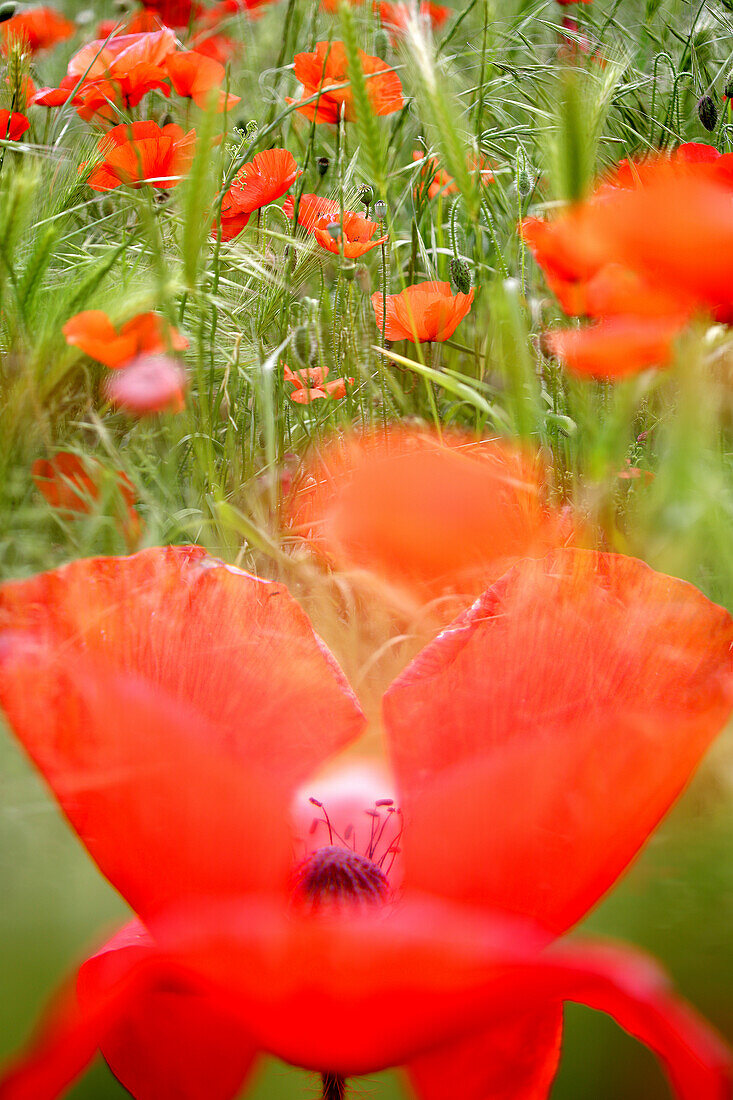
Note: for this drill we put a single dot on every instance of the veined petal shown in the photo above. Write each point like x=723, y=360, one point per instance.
x=539, y=740
x=172, y=704
x=237, y=650
x=164, y=812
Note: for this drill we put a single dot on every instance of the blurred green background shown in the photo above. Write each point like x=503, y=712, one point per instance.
x=677, y=901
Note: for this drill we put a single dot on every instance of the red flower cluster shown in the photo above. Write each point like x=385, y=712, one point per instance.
x=106, y=77
x=39, y=28
x=147, y=380
x=422, y=313
x=526, y=786
x=396, y=16
x=327, y=69
x=94, y=333
x=646, y=252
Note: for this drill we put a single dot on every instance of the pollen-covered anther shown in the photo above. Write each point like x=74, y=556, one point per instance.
x=334, y=877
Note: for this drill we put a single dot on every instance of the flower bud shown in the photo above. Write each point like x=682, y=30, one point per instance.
x=364, y=279
x=380, y=209
x=707, y=112
x=251, y=129
x=460, y=274
x=381, y=44
x=366, y=194
x=524, y=183
x=322, y=164
x=304, y=346
x=7, y=11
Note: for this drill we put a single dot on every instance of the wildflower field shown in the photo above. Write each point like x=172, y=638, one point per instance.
x=366, y=549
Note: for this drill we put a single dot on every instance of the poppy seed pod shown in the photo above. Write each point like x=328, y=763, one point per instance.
x=322, y=164
x=707, y=112
x=460, y=275
x=380, y=209
x=366, y=194
x=348, y=270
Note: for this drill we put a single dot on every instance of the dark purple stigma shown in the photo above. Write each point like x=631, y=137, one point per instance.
x=335, y=878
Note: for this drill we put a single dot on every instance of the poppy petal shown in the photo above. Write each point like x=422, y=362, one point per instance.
x=151, y=688
x=359, y=994
x=238, y=650
x=513, y=1060
x=618, y=346
x=170, y=1041
x=586, y=681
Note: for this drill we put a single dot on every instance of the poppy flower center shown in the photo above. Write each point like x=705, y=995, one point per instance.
x=333, y=877
x=337, y=875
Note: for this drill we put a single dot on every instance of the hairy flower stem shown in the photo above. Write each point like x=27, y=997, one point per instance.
x=334, y=1088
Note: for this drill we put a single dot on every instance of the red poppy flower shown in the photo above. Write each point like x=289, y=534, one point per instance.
x=143, y=153
x=311, y=209
x=327, y=68
x=118, y=678
x=357, y=234
x=140, y=22
x=397, y=16
x=13, y=125
x=263, y=180
x=119, y=72
x=422, y=312
x=219, y=47
x=73, y=484
x=310, y=384
x=617, y=346
x=443, y=184
x=122, y=54
x=429, y=515
x=645, y=252
x=94, y=333
x=148, y=384
x=195, y=76
x=226, y=10
x=40, y=28
x=173, y=13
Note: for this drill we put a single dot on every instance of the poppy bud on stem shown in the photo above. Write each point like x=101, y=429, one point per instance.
x=334, y=1088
